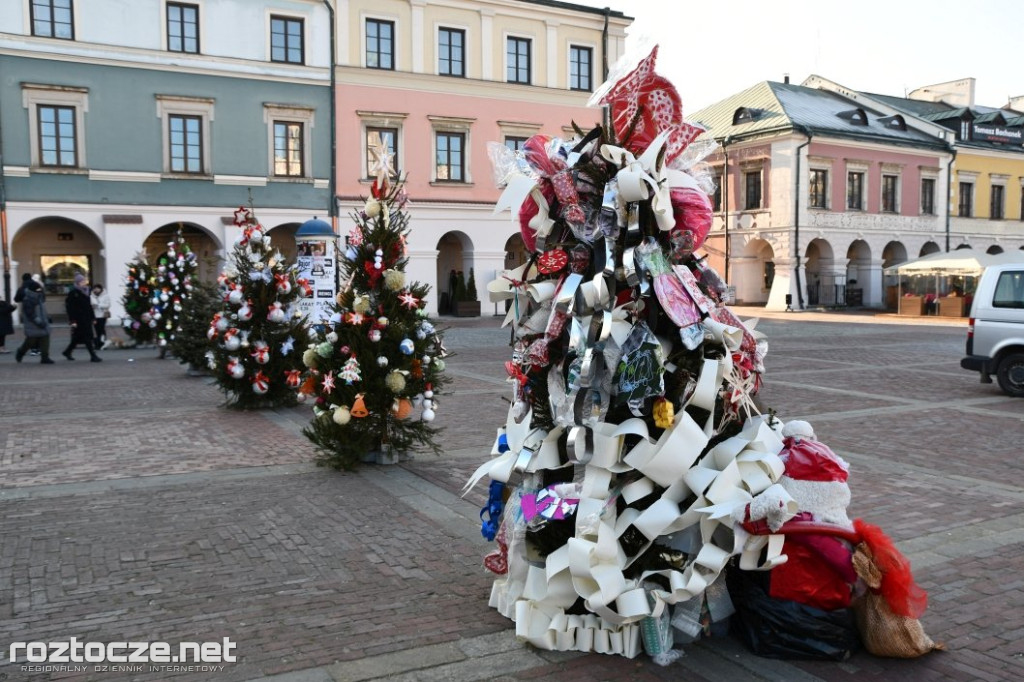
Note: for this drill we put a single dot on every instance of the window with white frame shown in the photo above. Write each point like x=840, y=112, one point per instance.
x=388, y=137
x=182, y=27
x=451, y=51
x=965, y=194
x=855, y=189
x=997, y=201
x=751, y=189
x=716, y=196
x=388, y=125
x=517, y=60
x=186, y=133
x=380, y=44
x=52, y=19
x=287, y=38
x=289, y=130
x=56, y=117
x=451, y=149
x=928, y=183
x=581, y=68
x=817, y=191
x=890, y=193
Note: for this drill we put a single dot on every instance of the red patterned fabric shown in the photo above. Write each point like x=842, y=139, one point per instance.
x=659, y=106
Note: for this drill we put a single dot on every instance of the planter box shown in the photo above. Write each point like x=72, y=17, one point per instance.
x=912, y=305
x=467, y=309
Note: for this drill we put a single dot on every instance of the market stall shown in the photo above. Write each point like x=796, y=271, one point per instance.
x=943, y=283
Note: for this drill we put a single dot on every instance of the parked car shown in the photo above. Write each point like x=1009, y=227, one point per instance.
x=995, y=335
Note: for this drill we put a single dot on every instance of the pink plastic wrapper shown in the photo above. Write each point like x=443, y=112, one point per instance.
x=693, y=213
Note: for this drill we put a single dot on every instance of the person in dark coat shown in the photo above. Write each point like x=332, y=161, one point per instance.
x=35, y=320
x=81, y=318
x=6, y=323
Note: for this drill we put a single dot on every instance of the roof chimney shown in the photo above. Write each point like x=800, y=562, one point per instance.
x=785, y=78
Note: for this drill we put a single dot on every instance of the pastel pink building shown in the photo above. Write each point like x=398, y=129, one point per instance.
x=440, y=82
x=819, y=191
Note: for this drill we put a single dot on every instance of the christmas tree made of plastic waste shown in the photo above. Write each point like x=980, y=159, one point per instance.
x=633, y=467
x=257, y=338
x=137, y=286
x=376, y=369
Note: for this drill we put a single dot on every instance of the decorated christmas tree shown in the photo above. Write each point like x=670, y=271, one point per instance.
x=635, y=485
x=257, y=337
x=381, y=356
x=191, y=343
x=171, y=288
x=137, y=289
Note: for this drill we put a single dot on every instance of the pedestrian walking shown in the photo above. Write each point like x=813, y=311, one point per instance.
x=101, y=310
x=81, y=318
x=6, y=324
x=35, y=321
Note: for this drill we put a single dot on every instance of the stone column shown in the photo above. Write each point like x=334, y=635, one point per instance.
x=422, y=268
x=785, y=283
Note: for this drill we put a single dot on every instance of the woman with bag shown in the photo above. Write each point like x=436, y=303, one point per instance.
x=101, y=310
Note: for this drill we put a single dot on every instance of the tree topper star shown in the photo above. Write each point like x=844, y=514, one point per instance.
x=383, y=159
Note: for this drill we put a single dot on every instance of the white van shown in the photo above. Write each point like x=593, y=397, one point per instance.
x=995, y=335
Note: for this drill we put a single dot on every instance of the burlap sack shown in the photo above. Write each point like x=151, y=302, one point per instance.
x=883, y=632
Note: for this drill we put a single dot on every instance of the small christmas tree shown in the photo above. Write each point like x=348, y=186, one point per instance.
x=172, y=286
x=137, y=288
x=257, y=337
x=192, y=342
x=381, y=355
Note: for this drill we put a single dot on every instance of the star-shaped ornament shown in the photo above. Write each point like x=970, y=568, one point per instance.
x=328, y=382
x=241, y=216
x=408, y=300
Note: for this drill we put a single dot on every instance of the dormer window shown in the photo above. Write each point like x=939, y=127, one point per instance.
x=857, y=117
x=896, y=122
x=965, y=128
x=746, y=115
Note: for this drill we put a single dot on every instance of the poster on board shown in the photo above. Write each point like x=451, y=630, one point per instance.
x=317, y=263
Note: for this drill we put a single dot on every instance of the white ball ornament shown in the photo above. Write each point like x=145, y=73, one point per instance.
x=407, y=347
x=382, y=361
x=237, y=371
x=232, y=343
x=332, y=337
x=374, y=335
x=342, y=416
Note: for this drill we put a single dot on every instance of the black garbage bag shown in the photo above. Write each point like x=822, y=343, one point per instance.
x=780, y=628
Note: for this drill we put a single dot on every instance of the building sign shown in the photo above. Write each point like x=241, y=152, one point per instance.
x=993, y=133
x=316, y=263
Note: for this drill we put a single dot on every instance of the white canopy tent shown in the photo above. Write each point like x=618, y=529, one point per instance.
x=960, y=262
x=965, y=263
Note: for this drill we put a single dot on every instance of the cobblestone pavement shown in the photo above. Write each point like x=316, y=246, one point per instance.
x=135, y=507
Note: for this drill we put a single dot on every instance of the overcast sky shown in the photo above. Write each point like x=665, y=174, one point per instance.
x=711, y=50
